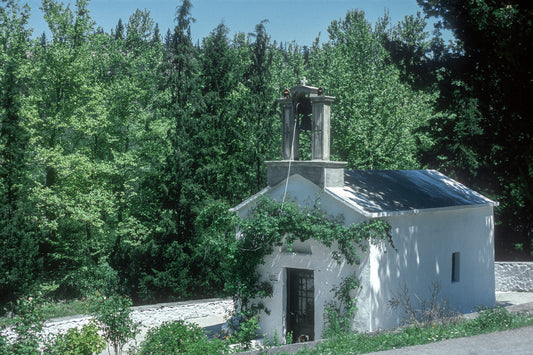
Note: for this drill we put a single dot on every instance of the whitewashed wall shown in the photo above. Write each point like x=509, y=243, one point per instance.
x=327, y=275
x=425, y=244
x=310, y=255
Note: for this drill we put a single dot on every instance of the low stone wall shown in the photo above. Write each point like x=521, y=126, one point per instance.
x=514, y=276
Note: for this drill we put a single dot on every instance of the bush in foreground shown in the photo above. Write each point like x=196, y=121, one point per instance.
x=113, y=315
x=180, y=337
x=86, y=341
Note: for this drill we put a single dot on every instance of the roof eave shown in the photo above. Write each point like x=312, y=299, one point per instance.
x=431, y=210
x=350, y=205
x=384, y=214
x=244, y=203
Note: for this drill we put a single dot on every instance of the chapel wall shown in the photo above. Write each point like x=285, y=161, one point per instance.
x=328, y=273
x=425, y=244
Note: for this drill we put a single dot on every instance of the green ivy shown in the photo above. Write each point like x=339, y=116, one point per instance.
x=270, y=224
x=339, y=313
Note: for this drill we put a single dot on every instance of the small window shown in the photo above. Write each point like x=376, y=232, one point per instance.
x=456, y=266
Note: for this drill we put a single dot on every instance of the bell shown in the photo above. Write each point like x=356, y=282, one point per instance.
x=305, y=123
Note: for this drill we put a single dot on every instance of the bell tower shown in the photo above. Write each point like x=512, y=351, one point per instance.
x=306, y=108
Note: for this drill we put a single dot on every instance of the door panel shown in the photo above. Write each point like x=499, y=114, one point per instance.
x=301, y=304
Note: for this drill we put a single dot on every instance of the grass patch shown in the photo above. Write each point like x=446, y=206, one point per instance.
x=64, y=308
x=489, y=320
x=55, y=310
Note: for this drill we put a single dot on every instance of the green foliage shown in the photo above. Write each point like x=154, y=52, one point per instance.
x=215, y=243
x=28, y=323
x=116, y=149
x=246, y=330
x=19, y=239
x=489, y=320
x=64, y=308
x=289, y=338
x=376, y=117
x=488, y=71
x=86, y=341
x=180, y=337
x=113, y=316
x=339, y=315
x=72, y=139
x=272, y=341
x=4, y=348
x=272, y=224
x=86, y=279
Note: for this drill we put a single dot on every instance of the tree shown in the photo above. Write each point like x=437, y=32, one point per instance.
x=156, y=38
x=261, y=118
x=73, y=143
x=492, y=61
x=428, y=64
x=19, y=240
x=119, y=30
x=140, y=30
x=410, y=49
x=218, y=140
x=377, y=117
x=168, y=188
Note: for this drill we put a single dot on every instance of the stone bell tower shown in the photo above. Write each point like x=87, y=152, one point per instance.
x=306, y=108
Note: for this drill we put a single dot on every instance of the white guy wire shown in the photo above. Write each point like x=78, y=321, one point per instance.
x=291, y=157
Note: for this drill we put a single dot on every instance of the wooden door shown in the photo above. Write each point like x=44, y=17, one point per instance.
x=301, y=304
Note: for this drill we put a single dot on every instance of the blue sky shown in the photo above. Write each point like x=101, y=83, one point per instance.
x=289, y=20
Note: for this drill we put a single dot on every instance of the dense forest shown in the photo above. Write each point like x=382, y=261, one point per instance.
x=120, y=150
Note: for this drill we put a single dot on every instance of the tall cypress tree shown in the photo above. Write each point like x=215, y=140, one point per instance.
x=167, y=250
x=18, y=241
x=181, y=75
x=119, y=30
x=261, y=113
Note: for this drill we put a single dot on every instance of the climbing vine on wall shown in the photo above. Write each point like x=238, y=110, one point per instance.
x=272, y=224
x=339, y=313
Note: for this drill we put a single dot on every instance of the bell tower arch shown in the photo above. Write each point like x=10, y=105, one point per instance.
x=305, y=108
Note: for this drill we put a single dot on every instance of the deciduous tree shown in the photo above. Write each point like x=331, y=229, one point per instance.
x=376, y=116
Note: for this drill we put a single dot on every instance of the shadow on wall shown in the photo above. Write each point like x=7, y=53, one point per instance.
x=452, y=248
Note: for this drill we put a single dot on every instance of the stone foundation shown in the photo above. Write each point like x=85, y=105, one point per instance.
x=514, y=276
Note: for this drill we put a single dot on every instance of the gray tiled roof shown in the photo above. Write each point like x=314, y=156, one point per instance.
x=385, y=191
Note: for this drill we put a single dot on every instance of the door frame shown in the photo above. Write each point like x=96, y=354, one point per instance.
x=291, y=274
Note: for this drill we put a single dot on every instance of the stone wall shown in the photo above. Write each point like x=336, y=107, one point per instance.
x=514, y=276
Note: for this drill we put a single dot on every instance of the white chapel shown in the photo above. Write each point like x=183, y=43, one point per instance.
x=443, y=232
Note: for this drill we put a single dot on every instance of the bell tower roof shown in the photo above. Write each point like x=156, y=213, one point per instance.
x=309, y=90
